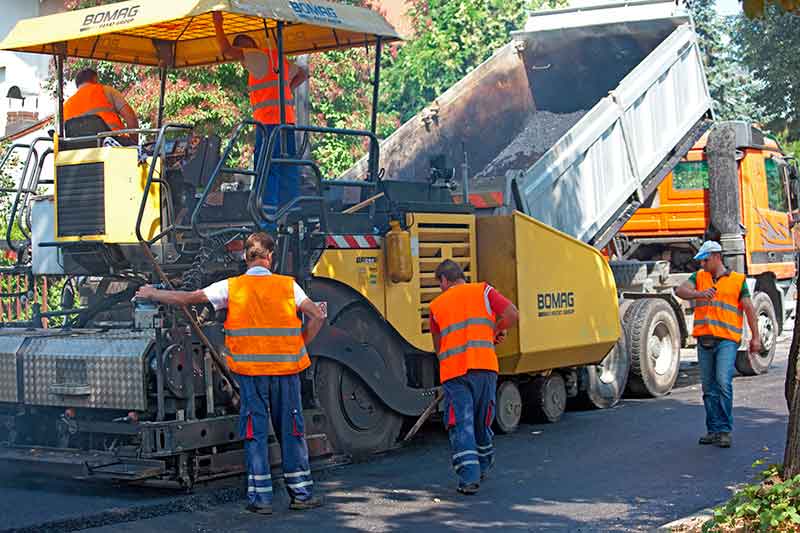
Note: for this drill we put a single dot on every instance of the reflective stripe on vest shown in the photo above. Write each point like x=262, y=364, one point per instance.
x=91, y=99
x=721, y=317
x=265, y=93
x=263, y=334
x=466, y=326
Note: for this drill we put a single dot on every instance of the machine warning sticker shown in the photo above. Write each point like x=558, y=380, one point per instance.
x=366, y=260
x=555, y=303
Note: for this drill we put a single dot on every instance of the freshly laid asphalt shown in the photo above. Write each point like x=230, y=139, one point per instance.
x=630, y=468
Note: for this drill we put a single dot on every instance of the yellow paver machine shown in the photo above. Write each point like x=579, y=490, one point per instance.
x=130, y=391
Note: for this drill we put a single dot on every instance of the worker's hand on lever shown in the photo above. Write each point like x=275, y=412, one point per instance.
x=755, y=344
x=146, y=292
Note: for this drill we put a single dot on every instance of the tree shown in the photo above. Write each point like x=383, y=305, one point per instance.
x=731, y=84
x=768, y=48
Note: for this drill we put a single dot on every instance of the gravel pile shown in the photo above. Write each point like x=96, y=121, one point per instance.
x=541, y=131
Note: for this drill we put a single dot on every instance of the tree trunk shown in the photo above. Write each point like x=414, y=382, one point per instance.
x=791, y=458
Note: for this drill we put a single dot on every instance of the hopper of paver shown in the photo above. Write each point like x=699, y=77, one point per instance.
x=573, y=122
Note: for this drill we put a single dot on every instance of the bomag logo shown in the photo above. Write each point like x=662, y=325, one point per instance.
x=555, y=303
x=110, y=17
x=309, y=11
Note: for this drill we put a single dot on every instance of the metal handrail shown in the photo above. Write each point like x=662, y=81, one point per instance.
x=158, y=152
x=219, y=169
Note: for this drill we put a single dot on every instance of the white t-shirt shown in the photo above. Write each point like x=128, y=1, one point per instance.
x=217, y=293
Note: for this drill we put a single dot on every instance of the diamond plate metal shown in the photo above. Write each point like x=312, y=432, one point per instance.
x=9, y=346
x=105, y=370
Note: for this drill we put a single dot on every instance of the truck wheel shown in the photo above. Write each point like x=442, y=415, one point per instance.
x=749, y=364
x=508, y=407
x=356, y=420
x=654, y=342
x=546, y=398
x=600, y=386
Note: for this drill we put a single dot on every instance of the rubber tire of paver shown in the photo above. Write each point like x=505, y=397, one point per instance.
x=508, y=407
x=749, y=364
x=336, y=385
x=600, y=386
x=545, y=398
x=645, y=321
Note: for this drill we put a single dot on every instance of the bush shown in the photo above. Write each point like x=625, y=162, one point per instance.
x=773, y=504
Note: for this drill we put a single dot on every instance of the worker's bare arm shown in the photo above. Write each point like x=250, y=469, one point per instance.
x=225, y=47
x=314, y=320
x=176, y=298
x=688, y=292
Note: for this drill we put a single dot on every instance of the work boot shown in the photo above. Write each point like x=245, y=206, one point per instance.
x=468, y=489
x=304, y=505
x=724, y=440
x=709, y=438
x=260, y=509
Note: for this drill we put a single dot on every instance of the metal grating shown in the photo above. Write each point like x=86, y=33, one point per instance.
x=80, y=200
x=438, y=242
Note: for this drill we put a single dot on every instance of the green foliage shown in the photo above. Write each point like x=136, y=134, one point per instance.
x=732, y=85
x=768, y=48
x=451, y=39
x=770, y=505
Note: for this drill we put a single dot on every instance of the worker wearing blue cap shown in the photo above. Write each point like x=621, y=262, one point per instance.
x=721, y=299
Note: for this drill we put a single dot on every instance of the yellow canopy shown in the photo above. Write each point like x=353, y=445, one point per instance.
x=181, y=32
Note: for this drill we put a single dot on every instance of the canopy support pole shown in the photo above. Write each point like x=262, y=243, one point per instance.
x=162, y=72
x=60, y=93
x=281, y=86
x=375, y=83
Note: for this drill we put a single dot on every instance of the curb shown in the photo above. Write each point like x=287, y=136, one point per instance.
x=688, y=521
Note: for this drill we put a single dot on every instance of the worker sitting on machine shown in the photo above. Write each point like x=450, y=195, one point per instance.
x=467, y=320
x=107, y=103
x=283, y=182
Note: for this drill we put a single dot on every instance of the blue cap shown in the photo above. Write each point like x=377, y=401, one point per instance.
x=708, y=248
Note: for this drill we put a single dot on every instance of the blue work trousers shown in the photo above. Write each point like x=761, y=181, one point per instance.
x=717, y=366
x=283, y=181
x=469, y=413
x=278, y=396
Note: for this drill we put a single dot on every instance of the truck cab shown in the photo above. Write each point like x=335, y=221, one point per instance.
x=676, y=216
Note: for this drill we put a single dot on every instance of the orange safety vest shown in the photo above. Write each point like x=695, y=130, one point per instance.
x=91, y=99
x=263, y=333
x=265, y=93
x=466, y=324
x=721, y=317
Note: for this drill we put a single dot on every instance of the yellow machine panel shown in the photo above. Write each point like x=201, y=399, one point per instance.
x=564, y=290
x=434, y=238
x=98, y=192
x=363, y=270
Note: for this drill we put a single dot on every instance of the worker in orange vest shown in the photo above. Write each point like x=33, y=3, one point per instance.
x=721, y=298
x=283, y=182
x=266, y=350
x=466, y=321
x=93, y=98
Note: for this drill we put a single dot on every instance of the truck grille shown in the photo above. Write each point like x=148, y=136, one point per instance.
x=80, y=199
x=438, y=242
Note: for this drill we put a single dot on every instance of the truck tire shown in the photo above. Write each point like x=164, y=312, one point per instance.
x=749, y=364
x=546, y=398
x=654, y=342
x=508, y=407
x=356, y=421
x=600, y=386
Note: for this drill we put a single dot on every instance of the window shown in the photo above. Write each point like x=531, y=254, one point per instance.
x=776, y=191
x=690, y=175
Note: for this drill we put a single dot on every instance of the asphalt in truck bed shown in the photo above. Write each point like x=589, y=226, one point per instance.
x=630, y=468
